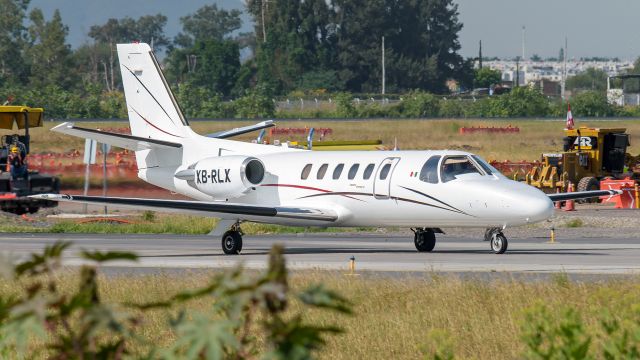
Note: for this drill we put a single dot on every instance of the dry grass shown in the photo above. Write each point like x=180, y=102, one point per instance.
x=406, y=318
x=535, y=137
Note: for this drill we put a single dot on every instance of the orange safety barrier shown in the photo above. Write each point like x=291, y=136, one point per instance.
x=627, y=200
x=493, y=130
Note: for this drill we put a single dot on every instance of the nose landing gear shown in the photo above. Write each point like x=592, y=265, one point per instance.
x=499, y=243
x=424, y=239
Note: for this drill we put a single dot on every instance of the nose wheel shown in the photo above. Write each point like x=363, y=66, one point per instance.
x=499, y=243
x=424, y=239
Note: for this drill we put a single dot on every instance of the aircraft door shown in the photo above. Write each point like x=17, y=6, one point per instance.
x=382, y=179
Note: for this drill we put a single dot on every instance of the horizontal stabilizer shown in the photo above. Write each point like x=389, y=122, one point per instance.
x=215, y=209
x=242, y=130
x=583, y=195
x=124, y=141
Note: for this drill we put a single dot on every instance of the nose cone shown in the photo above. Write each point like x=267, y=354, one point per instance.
x=533, y=205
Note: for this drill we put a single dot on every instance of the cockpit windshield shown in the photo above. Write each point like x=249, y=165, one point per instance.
x=490, y=170
x=454, y=166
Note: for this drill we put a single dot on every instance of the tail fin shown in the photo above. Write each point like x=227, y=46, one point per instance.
x=153, y=110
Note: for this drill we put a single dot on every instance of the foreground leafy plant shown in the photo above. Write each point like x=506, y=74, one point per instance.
x=249, y=317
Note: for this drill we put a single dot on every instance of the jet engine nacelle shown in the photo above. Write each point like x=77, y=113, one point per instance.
x=227, y=176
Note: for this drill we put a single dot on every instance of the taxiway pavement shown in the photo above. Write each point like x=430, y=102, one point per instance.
x=373, y=252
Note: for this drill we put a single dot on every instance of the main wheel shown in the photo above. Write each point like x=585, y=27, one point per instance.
x=588, y=183
x=232, y=242
x=425, y=240
x=499, y=243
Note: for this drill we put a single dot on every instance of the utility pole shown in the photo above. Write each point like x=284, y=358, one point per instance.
x=383, y=69
x=517, y=71
x=524, y=29
x=480, y=56
x=264, y=31
x=564, y=71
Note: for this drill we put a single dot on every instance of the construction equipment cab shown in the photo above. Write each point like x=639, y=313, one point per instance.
x=17, y=181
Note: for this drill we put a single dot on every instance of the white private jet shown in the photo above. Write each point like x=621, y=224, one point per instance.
x=238, y=182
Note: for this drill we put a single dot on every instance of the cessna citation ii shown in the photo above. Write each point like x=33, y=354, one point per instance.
x=238, y=182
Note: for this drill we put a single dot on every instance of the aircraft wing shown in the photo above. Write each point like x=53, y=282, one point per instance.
x=129, y=142
x=583, y=194
x=242, y=130
x=215, y=209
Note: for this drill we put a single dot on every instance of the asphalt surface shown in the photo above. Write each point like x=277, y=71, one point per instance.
x=390, y=253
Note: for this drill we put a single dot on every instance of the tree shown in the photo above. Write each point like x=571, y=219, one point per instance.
x=419, y=104
x=592, y=79
x=48, y=53
x=486, y=77
x=561, y=54
x=536, y=58
x=206, y=23
x=293, y=37
x=521, y=101
x=12, y=41
x=421, y=41
x=149, y=29
x=216, y=65
x=591, y=103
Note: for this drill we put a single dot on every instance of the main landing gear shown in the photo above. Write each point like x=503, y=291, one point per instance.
x=424, y=239
x=232, y=240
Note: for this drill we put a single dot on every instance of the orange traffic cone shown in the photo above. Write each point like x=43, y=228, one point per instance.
x=570, y=204
x=558, y=204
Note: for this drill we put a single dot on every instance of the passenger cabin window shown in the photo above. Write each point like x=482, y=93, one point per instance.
x=305, y=172
x=337, y=171
x=322, y=171
x=368, y=171
x=429, y=172
x=353, y=171
x=384, y=172
x=454, y=166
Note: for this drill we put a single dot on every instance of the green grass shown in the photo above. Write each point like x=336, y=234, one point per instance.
x=574, y=223
x=155, y=223
x=412, y=317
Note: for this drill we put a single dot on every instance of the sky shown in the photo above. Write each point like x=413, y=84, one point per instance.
x=605, y=28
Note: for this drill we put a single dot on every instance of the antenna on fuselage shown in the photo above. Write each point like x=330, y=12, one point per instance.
x=260, y=136
x=310, y=138
x=395, y=144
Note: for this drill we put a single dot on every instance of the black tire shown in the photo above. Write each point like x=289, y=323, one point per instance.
x=587, y=184
x=232, y=242
x=425, y=240
x=33, y=210
x=499, y=243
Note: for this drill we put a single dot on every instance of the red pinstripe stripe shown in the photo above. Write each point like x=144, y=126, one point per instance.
x=155, y=127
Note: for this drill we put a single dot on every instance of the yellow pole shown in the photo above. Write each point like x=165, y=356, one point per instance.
x=553, y=235
x=352, y=265
x=635, y=187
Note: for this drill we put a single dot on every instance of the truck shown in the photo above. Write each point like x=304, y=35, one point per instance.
x=16, y=186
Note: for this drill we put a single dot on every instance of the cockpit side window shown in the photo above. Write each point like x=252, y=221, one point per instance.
x=453, y=166
x=429, y=172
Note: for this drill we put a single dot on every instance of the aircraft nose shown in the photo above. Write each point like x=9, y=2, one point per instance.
x=535, y=205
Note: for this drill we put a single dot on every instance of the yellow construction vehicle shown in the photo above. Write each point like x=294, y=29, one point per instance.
x=589, y=155
x=17, y=181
